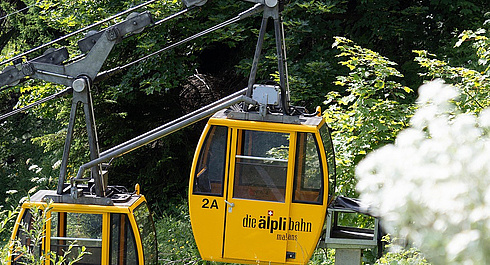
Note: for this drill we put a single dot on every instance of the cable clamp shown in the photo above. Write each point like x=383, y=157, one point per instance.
x=112, y=33
x=28, y=69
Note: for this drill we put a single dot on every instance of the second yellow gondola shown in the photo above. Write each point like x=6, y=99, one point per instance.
x=120, y=232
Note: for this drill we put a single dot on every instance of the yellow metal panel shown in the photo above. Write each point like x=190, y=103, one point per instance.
x=207, y=220
x=78, y=208
x=136, y=203
x=263, y=126
x=251, y=235
x=106, y=237
x=15, y=231
x=47, y=238
x=87, y=209
x=207, y=213
x=17, y=223
x=253, y=227
x=309, y=216
x=305, y=227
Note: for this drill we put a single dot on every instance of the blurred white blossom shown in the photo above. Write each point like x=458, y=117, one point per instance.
x=432, y=185
x=35, y=168
x=57, y=164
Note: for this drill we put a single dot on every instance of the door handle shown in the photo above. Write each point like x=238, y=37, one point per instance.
x=230, y=204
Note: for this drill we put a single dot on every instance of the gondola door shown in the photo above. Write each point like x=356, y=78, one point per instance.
x=258, y=191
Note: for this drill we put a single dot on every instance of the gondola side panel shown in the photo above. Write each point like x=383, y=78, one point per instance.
x=206, y=191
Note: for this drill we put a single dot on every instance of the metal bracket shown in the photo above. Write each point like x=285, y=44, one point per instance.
x=190, y=3
x=53, y=56
x=48, y=66
x=134, y=23
x=268, y=3
x=81, y=95
x=167, y=129
x=272, y=9
x=27, y=69
x=12, y=74
x=75, y=192
x=112, y=33
x=342, y=237
x=79, y=76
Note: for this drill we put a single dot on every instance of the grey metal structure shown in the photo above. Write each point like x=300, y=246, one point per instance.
x=80, y=74
x=272, y=10
x=156, y=134
x=349, y=242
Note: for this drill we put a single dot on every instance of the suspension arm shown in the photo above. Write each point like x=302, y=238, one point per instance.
x=163, y=131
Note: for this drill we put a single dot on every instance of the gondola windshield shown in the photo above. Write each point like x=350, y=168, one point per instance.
x=261, y=162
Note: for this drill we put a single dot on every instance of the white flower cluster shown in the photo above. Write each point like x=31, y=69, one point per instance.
x=432, y=185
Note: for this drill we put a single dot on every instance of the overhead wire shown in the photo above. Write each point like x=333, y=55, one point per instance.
x=253, y=10
x=152, y=25
x=17, y=11
x=56, y=95
x=78, y=31
x=173, y=16
x=68, y=90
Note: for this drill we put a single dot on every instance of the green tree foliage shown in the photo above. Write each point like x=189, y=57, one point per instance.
x=165, y=87
x=391, y=28
x=370, y=114
x=472, y=78
x=368, y=98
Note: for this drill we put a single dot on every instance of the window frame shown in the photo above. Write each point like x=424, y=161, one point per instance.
x=331, y=164
x=140, y=230
x=297, y=179
x=70, y=240
x=128, y=234
x=239, y=181
x=198, y=170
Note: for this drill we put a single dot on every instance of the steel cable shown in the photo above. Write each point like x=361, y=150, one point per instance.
x=59, y=94
x=247, y=13
x=77, y=32
x=17, y=11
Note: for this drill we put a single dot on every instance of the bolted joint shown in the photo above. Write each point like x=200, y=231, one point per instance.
x=27, y=69
x=80, y=84
x=271, y=3
x=112, y=33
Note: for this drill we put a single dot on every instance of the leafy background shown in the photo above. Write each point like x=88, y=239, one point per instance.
x=365, y=81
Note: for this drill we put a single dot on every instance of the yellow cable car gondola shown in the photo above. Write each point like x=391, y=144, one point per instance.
x=259, y=190
x=262, y=177
x=120, y=233
x=114, y=225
